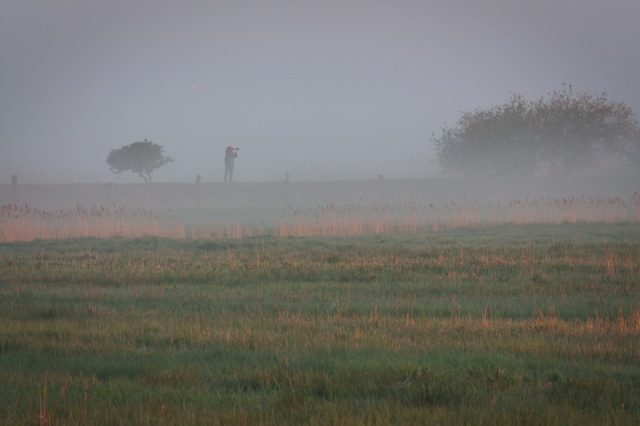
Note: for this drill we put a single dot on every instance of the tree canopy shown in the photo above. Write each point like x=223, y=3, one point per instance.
x=140, y=157
x=564, y=132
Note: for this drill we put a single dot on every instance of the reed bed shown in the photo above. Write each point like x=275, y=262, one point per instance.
x=336, y=220
x=27, y=223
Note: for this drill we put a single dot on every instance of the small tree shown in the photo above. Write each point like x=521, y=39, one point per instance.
x=140, y=157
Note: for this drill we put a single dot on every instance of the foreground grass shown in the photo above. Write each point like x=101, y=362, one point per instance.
x=497, y=325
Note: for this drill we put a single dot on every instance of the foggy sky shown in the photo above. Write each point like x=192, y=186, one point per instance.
x=319, y=89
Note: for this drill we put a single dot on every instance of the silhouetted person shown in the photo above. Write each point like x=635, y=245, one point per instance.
x=229, y=157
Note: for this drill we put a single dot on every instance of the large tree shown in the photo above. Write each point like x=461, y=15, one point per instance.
x=576, y=130
x=563, y=133
x=140, y=157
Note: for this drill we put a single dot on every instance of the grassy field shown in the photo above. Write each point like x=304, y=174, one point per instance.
x=530, y=324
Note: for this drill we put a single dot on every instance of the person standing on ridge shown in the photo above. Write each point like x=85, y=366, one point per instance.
x=229, y=156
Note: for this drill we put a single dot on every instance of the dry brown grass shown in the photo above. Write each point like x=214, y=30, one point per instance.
x=26, y=223
x=335, y=220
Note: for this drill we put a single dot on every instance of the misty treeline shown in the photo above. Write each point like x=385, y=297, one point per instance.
x=139, y=157
x=562, y=133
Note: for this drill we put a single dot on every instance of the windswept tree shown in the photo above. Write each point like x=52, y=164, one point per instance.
x=563, y=133
x=140, y=157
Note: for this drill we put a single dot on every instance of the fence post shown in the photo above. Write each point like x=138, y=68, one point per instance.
x=285, y=191
x=198, y=191
x=14, y=188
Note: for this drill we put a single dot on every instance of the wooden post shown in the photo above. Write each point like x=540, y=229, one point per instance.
x=381, y=188
x=109, y=196
x=285, y=191
x=198, y=191
x=14, y=188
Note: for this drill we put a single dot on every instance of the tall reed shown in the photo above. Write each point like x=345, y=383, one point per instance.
x=334, y=220
x=27, y=223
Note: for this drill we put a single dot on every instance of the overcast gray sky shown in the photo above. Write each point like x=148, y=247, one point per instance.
x=320, y=89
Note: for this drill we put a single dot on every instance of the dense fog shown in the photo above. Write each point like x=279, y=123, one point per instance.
x=331, y=90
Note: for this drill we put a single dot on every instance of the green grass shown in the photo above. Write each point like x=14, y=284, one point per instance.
x=491, y=325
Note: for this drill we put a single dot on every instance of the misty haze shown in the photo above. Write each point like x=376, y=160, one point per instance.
x=286, y=212
x=338, y=92
x=335, y=91
x=346, y=103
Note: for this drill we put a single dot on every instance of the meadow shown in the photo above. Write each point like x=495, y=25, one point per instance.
x=505, y=323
